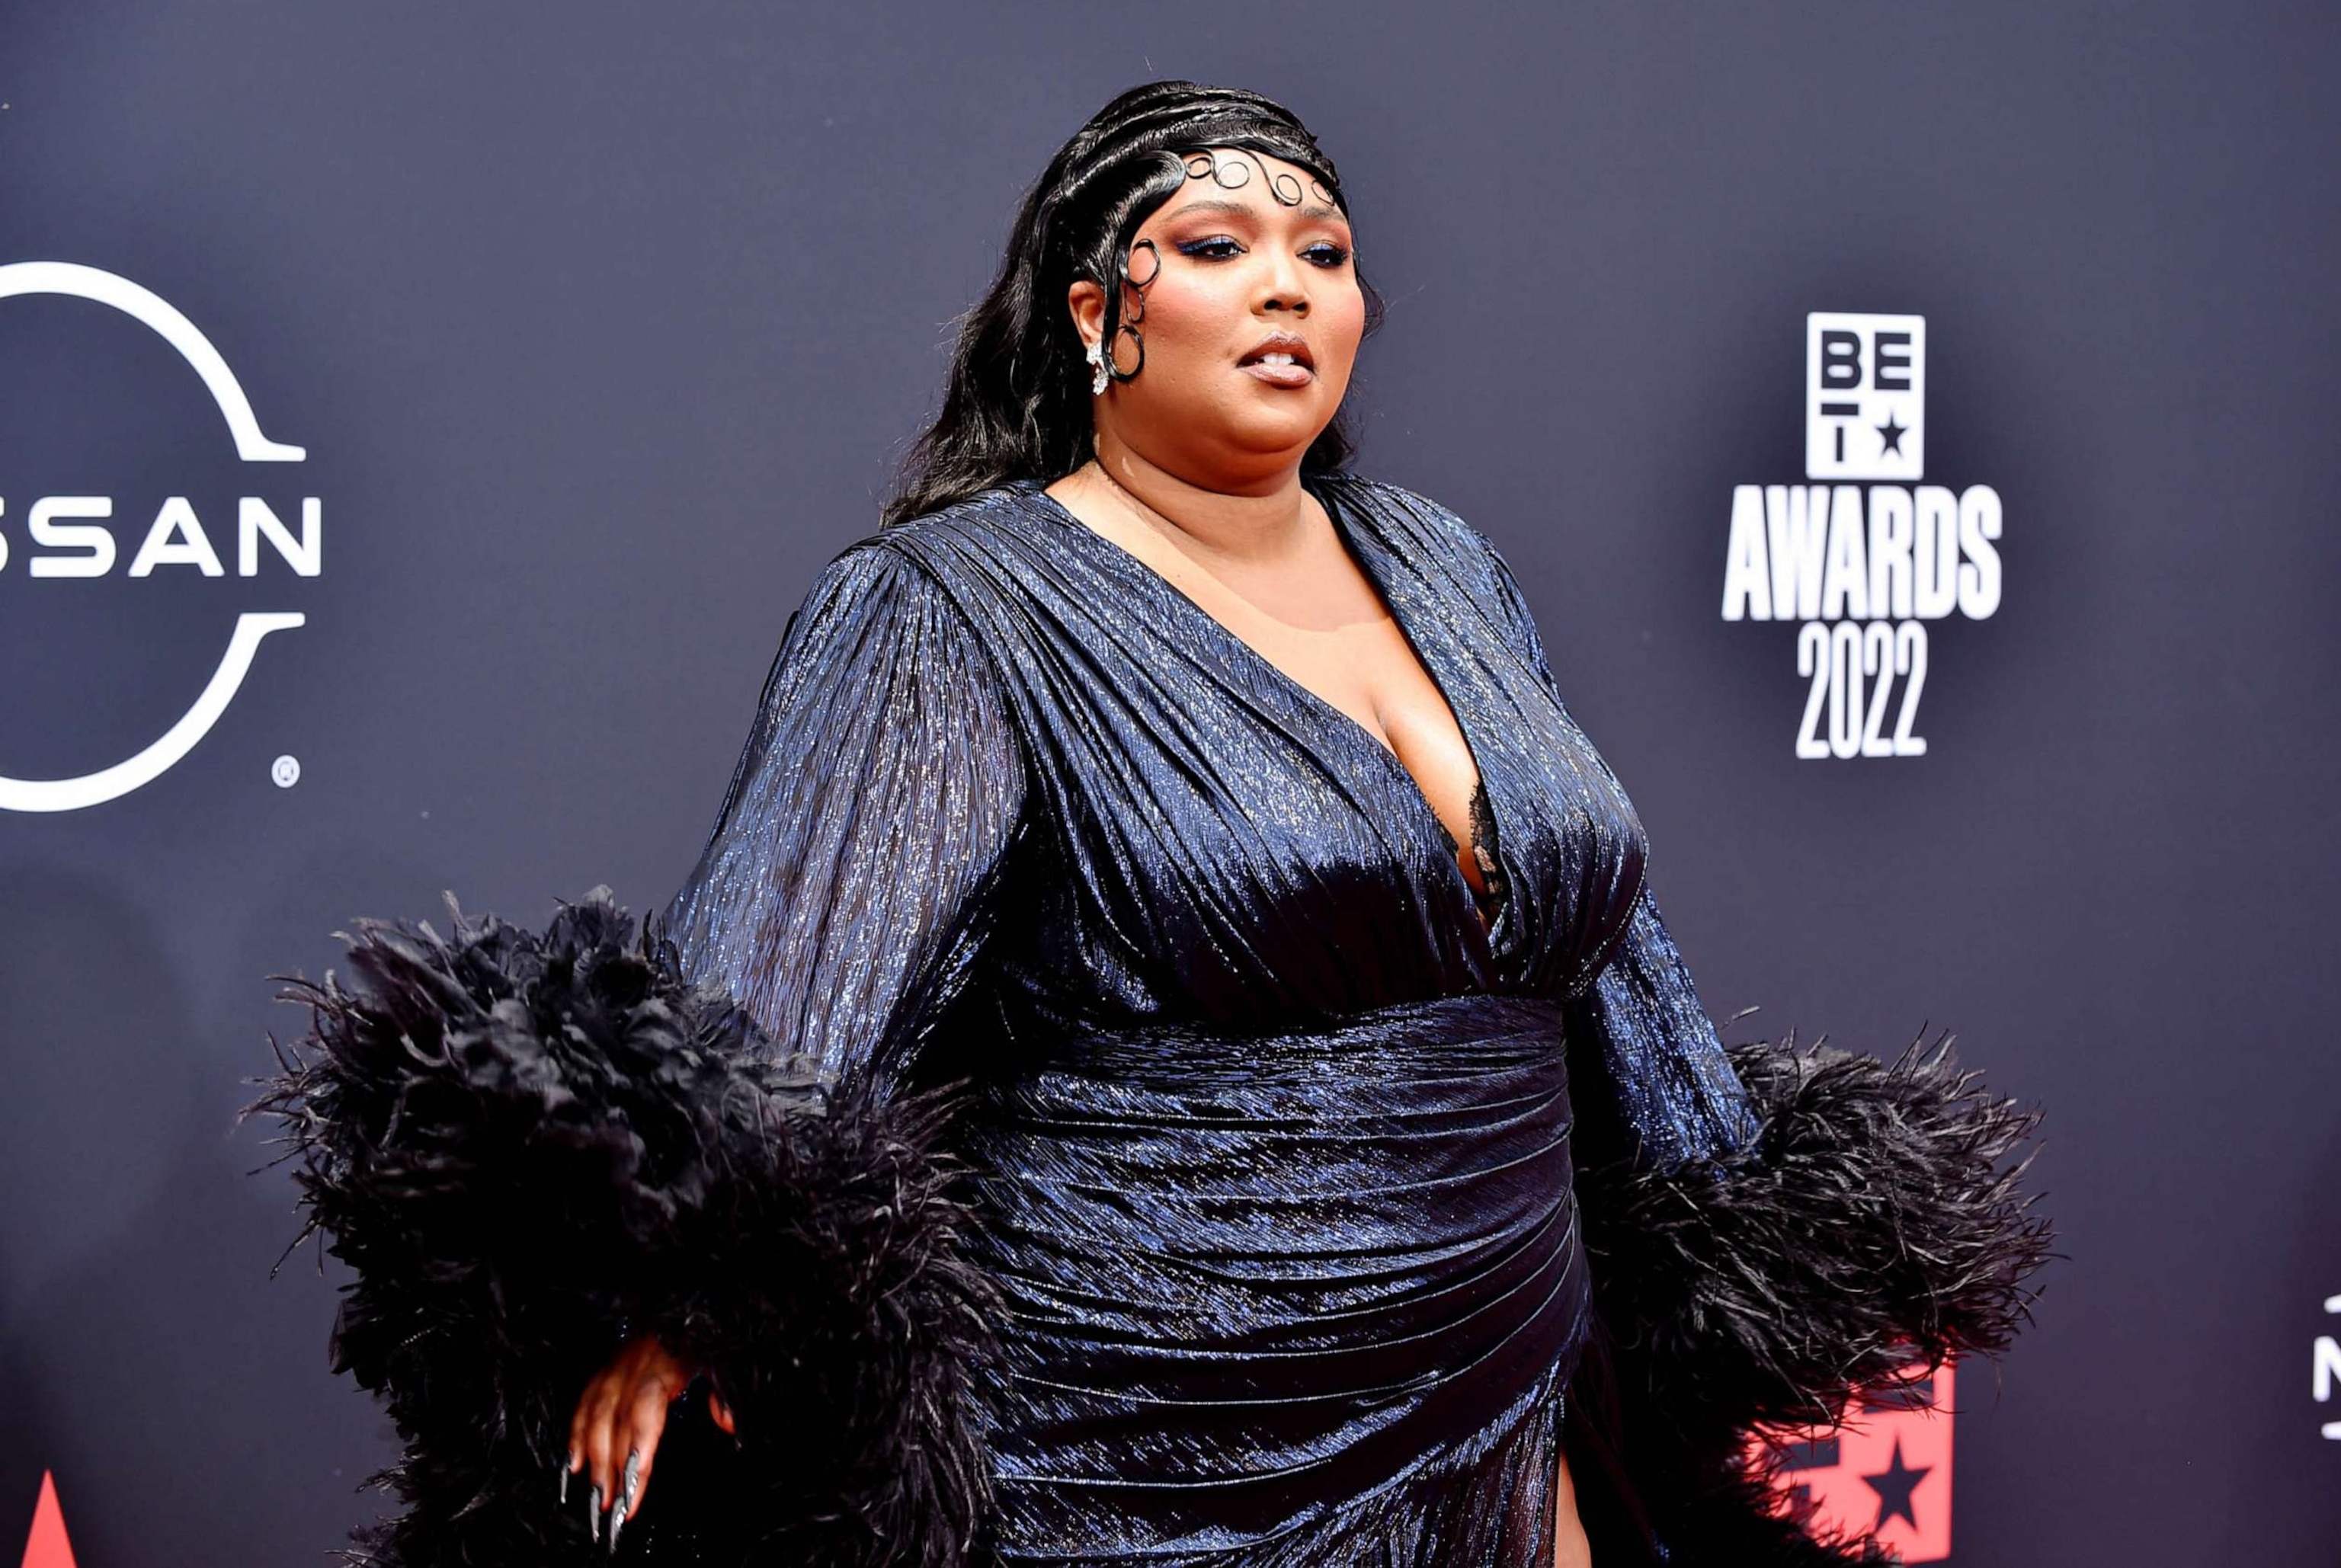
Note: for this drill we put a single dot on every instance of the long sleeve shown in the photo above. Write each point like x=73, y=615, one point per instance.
x=530, y=1145
x=1771, y=1229
x=1673, y=1093
x=847, y=886
x=1677, y=1097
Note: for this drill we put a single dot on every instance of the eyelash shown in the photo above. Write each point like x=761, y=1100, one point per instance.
x=1201, y=249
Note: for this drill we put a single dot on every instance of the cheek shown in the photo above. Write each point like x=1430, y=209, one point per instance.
x=1342, y=322
x=1191, y=314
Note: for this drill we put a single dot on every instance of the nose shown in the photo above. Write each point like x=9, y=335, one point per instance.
x=1284, y=284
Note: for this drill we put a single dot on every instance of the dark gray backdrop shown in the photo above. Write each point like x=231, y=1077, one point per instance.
x=602, y=326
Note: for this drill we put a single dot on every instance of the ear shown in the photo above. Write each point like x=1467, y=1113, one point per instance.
x=1087, y=302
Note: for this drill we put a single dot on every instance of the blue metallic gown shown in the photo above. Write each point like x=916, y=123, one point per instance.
x=1269, y=1130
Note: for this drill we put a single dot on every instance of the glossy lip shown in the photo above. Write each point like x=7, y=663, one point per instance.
x=1292, y=343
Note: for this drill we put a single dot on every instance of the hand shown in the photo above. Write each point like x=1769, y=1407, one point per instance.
x=614, y=1438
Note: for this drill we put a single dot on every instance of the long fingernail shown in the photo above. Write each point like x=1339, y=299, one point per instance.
x=617, y=1520
x=594, y=1514
x=565, y=1483
x=633, y=1479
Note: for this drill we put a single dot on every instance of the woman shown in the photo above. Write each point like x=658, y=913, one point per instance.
x=1204, y=820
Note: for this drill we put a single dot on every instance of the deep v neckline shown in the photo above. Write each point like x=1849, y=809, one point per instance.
x=1330, y=715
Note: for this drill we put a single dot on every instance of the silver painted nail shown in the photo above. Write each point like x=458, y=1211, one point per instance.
x=632, y=1481
x=594, y=1514
x=565, y=1483
x=616, y=1521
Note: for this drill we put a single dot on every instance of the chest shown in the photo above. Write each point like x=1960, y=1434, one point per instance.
x=1221, y=840
x=1314, y=614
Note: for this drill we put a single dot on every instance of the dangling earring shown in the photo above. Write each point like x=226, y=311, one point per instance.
x=1096, y=356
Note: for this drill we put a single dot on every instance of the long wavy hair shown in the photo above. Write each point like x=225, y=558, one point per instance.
x=1017, y=405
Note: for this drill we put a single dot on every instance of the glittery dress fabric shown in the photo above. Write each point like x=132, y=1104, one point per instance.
x=1269, y=1126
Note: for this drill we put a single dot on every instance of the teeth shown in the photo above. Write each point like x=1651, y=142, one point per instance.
x=1276, y=359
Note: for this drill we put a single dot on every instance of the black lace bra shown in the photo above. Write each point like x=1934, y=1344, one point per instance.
x=1483, y=854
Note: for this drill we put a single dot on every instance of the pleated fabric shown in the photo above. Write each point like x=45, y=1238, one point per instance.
x=1263, y=1293
x=1272, y=1133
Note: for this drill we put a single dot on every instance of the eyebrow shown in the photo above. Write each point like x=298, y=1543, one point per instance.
x=1241, y=210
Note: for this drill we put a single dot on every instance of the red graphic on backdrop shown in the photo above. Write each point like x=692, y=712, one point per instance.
x=46, y=1546
x=1887, y=1469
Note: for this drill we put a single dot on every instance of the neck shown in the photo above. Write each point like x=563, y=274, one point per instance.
x=1257, y=525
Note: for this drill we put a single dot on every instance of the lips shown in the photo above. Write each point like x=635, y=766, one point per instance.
x=1281, y=348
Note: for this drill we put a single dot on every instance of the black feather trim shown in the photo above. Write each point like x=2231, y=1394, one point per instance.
x=526, y=1146
x=1873, y=1221
x=1875, y=1224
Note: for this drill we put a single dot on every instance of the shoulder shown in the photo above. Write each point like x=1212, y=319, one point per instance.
x=968, y=556
x=1439, y=541
x=936, y=561
x=940, y=590
x=968, y=531
x=1428, y=530
x=880, y=646
x=876, y=601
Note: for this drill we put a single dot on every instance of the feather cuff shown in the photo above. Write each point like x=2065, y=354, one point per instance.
x=1875, y=1222
x=526, y=1147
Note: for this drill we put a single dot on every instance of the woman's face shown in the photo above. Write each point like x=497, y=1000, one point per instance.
x=1247, y=266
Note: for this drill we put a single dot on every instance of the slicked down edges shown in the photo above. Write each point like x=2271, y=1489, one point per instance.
x=1874, y=1223
x=524, y=1146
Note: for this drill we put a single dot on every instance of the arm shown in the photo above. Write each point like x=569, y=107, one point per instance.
x=1771, y=1228
x=842, y=899
x=842, y=895
x=1675, y=1097
x=524, y=1141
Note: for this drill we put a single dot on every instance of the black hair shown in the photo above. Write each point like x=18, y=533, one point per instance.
x=1017, y=403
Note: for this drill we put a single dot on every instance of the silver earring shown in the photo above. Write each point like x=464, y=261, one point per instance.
x=1097, y=374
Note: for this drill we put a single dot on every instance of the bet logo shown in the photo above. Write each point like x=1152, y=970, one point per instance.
x=70, y=536
x=1865, y=396
x=1864, y=558
x=1886, y=1470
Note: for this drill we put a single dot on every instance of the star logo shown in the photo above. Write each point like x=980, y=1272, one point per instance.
x=1885, y=1473
x=1894, y=1485
x=1891, y=434
x=46, y=1546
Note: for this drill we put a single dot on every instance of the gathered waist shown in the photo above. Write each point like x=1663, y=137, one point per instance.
x=1251, y=1255
x=1397, y=1035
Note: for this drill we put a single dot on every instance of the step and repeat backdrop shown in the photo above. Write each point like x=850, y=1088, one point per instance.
x=1913, y=426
